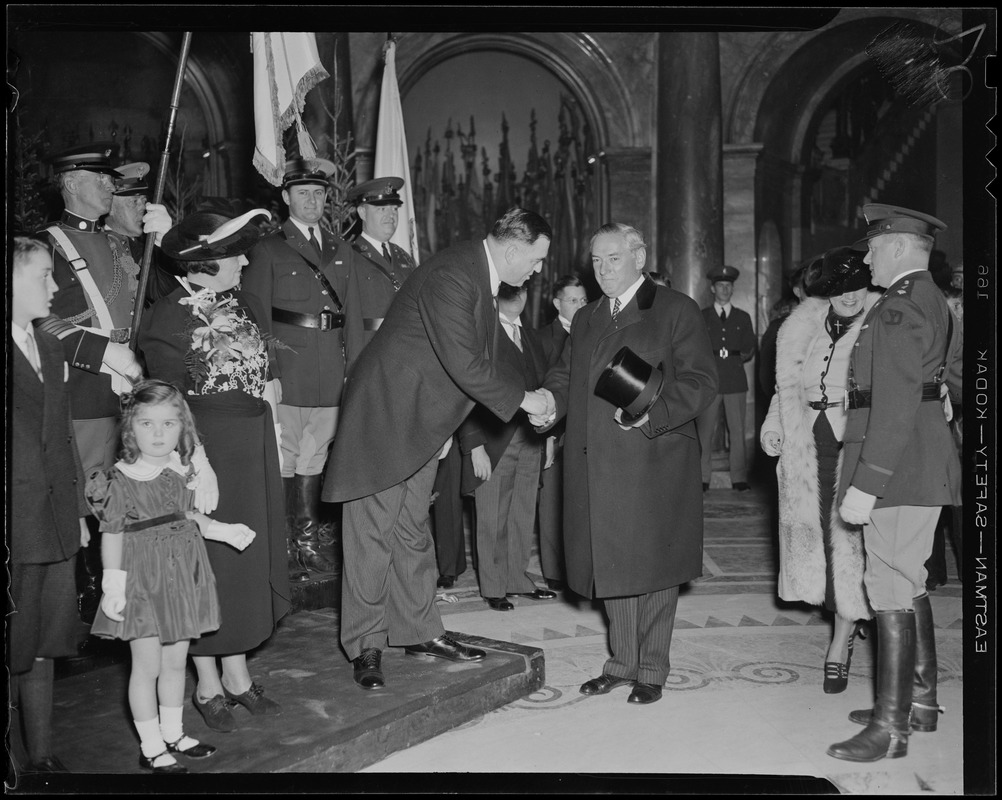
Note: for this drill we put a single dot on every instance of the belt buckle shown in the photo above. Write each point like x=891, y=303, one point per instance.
x=723, y=352
x=326, y=318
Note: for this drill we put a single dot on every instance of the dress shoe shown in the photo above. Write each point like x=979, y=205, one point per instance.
x=836, y=673
x=499, y=603
x=195, y=748
x=557, y=586
x=603, y=684
x=538, y=594
x=162, y=768
x=445, y=647
x=46, y=764
x=215, y=712
x=446, y=581
x=644, y=693
x=740, y=486
x=255, y=701
x=368, y=675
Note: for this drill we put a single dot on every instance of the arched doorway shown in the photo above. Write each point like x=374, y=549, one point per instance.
x=517, y=127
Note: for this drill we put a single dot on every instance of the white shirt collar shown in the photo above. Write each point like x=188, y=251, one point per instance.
x=145, y=471
x=19, y=335
x=627, y=296
x=495, y=278
x=718, y=308
x=374, y=242
x=305, y=229
x=565, y=322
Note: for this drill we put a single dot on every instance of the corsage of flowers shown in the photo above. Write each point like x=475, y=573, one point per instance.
x=219, y=333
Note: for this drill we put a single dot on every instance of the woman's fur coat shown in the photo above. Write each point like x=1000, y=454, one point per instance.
x=801, y=549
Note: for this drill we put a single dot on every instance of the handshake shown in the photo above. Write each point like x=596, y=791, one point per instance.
x=540, y=406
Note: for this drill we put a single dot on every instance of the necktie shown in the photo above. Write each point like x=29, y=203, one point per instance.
x=386, y=252
x=615, y=308
x=316, y=245
x=723, y=315
x=33, y=356
x=514, y=334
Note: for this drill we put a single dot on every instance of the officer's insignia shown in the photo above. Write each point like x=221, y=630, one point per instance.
x=891, y=317
x=902, y=291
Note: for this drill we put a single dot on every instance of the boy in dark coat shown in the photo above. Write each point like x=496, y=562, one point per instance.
x=47, y=525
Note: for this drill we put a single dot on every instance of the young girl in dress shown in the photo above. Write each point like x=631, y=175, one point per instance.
x=159, y=591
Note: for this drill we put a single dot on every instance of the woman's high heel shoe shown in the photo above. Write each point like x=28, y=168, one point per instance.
x=836, y=673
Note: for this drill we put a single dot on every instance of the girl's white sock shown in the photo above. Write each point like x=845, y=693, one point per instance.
x=172, y=728
x=151, y=741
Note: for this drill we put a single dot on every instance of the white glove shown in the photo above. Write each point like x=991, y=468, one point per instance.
x=856, y=506
x=772, y=442
x=204, y=483
x=120, y=358
x=551, y=451
x=113, y=593
x=157, y=221
x=234, y=534
x=618, y=416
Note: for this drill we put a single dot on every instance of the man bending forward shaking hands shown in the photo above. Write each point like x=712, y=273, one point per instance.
x=633, y=507
x=430, y=361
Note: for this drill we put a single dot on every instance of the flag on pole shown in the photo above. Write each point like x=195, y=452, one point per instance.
x=391, y=151
x=286, y=67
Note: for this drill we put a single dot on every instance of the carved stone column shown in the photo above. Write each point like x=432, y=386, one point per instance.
x=689, y=236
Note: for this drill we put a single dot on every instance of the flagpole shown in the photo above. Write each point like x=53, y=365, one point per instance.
x=158, y=190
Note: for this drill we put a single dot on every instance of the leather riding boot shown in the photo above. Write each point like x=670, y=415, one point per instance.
x=925, y=710
x=330, y=532
x=886, y=734
x=296, y=573
x=307, y=524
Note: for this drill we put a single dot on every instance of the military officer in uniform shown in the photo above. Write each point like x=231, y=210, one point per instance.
x=300, y=273
x=92, y=310
x=734, y=344
x=124, y=225
x=900, y=466
x=383, y=266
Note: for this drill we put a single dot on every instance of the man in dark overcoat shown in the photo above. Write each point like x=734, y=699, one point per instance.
x=633, y=509
x=47, y=508
x=430, y=361
x=899, y=469
x=301, y=274
x=732, y=337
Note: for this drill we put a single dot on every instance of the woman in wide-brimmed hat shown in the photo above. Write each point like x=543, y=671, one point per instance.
x=821, y=557
x=214, y=343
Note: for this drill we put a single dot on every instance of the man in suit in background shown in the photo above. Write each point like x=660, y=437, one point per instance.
x=734, y=345
x=48, y=511
x=633, y=518
x=300, y=274
x=569, y=295
x=501, y=462
x=900, y=467
x=432, y=359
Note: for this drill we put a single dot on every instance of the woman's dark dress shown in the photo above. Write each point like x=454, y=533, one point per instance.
x=237, y=429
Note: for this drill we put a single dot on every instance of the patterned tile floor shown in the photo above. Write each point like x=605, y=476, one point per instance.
x=744, y=697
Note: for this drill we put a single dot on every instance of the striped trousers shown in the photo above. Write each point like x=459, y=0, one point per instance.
x=640, y=630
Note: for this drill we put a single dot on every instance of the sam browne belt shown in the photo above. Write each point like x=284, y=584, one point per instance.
x=326, y=320
x=860, y=398
x=821, y=405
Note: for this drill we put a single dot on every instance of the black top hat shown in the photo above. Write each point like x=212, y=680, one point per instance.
x=133, y=180
x=378, y=192
x=93, y=157
x=723, y=273
x=841, y=270
x=307, y=170
x=206, y=236
x=630, y=383
x=894, y=219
